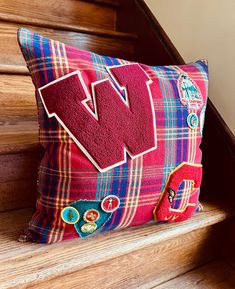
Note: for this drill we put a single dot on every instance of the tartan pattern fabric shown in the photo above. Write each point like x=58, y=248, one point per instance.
x=65, y=175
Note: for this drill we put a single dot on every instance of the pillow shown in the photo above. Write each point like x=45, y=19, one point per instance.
x=121, y=140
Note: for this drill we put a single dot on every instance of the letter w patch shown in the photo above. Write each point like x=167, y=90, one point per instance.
x=116, y=126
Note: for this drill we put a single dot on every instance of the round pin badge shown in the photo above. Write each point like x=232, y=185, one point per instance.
x=192, y=120
x=91, y=215
x=70, y=215
x=110, y=203
x=89, y=227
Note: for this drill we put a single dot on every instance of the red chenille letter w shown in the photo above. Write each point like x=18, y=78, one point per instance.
x=116, y=126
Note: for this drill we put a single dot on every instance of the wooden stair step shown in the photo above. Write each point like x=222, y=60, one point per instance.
x=215, y=275
x=81, y=13
x=129, y=258
x=18, y=125
x=18, y=134
x=18, y=115
x=17, y=97
x=19, y=145
x=18, y=142
x=116, y=44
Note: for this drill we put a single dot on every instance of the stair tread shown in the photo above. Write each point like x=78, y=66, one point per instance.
x=103, y=42
x=18, y=121
x=59, y=13
x=72, y=28
x=214, y=275
x=70, y=256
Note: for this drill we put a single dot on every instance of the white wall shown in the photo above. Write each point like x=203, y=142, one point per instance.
x=205, y=29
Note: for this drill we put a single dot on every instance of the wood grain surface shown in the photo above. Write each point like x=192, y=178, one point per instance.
x=115, y=259
x=11, y=59
x=16, y=142
x=59, y=11
x=215, y=275
x=17, y=96
x=18, y=132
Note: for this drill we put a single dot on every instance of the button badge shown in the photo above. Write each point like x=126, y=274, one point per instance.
x=110, y=203
x=70, y=215
x=91, y=215
x=89, y=227
x=192, y=120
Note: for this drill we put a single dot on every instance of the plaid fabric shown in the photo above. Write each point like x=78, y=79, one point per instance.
x=66, y=175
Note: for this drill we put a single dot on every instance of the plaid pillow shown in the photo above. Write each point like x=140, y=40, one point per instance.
x=121, y=140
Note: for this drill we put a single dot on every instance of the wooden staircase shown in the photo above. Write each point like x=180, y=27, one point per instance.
x=162, y=256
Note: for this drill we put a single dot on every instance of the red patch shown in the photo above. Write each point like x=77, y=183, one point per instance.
x=115, y=124
x=110, y=203
x=91, y=215
x=185, y=171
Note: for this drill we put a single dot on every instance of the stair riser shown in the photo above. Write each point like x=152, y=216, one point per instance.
x=18, y=180
x=229, y=237
x=149, y=266
x=11, y=59
x=17, y=194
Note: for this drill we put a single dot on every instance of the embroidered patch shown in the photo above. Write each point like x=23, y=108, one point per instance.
x=89, y=228
x=164, y=211
x=70, y=215
x=110, y=203
x=182, y=195
x=192, y=120
x=116, y=126
x=92, y=215
x=189, y=92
